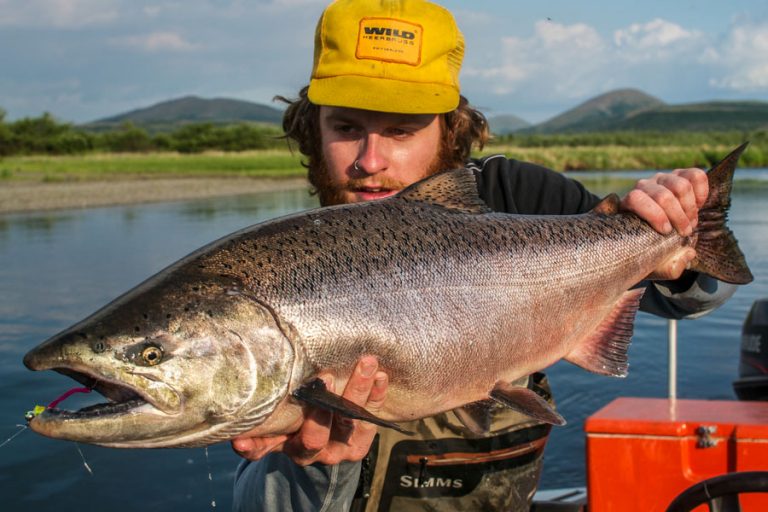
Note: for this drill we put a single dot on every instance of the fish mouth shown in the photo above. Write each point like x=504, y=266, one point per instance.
x=122, y=398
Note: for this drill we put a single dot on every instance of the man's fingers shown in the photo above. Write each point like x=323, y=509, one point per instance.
x=699, y=181
x=360, y=389
x=360, y=438
x=639, y=202
x=669, y=201
x=360, y=383
x=378, y=392
x=254, y=448
x=324, y=436
x=312, y=438
x=681, y=207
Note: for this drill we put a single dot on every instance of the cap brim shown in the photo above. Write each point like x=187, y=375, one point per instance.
x=383, y=95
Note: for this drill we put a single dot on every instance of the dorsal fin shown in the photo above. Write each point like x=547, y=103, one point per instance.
x=453, y=190
x=608, y=206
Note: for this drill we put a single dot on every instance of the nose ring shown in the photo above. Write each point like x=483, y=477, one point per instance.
x=356, y=165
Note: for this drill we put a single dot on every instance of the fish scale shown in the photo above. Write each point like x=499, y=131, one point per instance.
x=457, y=303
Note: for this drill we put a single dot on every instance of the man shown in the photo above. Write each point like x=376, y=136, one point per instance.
x=382, y=111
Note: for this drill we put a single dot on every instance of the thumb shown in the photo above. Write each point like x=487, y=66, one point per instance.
x=673, y=267
x=378, y=392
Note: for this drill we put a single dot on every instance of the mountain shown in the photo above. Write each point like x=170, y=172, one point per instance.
x=620, y=110
x=168, y=115
x=504, y=124
x=633, y=110
x=603, y=112
x=709, y=116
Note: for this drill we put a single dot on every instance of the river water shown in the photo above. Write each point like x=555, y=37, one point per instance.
x=58, y=267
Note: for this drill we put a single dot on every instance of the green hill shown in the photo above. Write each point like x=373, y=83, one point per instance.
x=633, y=110
x=620, y=110
x=710, y=116
x=504, y=124
x=169, y=115
x=601, y=113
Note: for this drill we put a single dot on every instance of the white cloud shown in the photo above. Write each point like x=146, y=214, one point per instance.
x=556, y=56
x=156, y=42
x=58, y=13
x=654, y=34
x=568, y=37
x=741, y=62
x=564, y=62
x=656, y=40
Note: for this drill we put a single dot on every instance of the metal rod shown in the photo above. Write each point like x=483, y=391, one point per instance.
x=672, y=337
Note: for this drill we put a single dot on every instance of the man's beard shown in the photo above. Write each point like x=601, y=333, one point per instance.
x=330, y=193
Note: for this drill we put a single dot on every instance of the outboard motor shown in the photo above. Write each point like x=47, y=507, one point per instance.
x=753, y=364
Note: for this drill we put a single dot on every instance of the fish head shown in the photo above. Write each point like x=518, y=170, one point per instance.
x=181, y=365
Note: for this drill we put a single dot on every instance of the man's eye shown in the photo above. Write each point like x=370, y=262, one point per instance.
x=399, y=132
x=344, y=128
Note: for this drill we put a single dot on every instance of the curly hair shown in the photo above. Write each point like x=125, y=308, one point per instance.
x=462, y=129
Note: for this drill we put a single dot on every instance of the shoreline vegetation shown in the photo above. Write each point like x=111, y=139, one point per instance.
x=49, y=182
x=24, y=197
x=282, y=163
x=49, y=165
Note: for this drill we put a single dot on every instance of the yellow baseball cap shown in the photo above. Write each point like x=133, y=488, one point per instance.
x=400, y=56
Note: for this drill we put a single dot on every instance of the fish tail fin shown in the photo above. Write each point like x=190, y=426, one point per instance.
x=717, y=251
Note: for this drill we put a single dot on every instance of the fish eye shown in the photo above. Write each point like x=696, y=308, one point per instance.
x=152, y=355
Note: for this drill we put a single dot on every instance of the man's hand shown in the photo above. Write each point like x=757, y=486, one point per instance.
x=324, y=436
x=670, y=201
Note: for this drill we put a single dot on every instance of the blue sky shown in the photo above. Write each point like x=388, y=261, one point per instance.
x=86, y=59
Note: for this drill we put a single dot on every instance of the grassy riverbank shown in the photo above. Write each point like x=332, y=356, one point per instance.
x=611, y=157
x=122, y=166
x=284, y=164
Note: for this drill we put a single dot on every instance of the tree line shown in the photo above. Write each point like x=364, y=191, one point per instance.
x=47, y=135
x=635, y=138
x=638, y=149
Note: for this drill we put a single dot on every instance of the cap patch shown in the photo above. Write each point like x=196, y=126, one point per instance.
x=389, y=40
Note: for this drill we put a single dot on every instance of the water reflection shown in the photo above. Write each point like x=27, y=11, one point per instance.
x=58, y=267
x=43, y=224
x=262, y=206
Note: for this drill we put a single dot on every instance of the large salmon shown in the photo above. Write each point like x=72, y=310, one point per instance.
x=456, y=301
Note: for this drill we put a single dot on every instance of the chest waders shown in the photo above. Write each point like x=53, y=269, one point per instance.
x=445, y=467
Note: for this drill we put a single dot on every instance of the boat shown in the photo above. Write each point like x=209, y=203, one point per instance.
x=672, y=454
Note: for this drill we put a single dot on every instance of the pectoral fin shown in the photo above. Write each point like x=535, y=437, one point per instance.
x=524, y=400
x=315, y=393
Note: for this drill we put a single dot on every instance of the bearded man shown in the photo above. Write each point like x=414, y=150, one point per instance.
x=383, y=110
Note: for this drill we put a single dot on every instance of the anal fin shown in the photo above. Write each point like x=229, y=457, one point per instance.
x=315, y=393
x=524, y=400
x=605, y=351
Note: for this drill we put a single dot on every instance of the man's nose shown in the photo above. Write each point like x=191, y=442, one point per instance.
x=373, y=156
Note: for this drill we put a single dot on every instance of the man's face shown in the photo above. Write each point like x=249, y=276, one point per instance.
x=392, y=151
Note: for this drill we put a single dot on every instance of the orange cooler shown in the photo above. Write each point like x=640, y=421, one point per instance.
x=643, y=452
